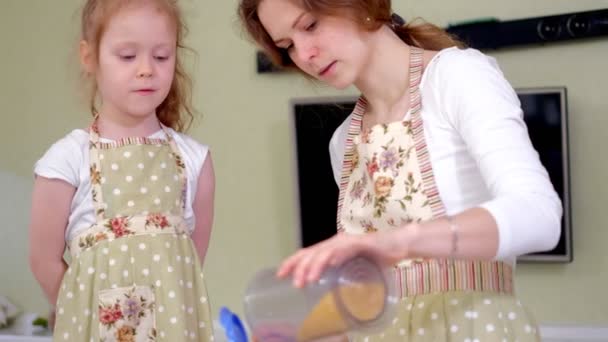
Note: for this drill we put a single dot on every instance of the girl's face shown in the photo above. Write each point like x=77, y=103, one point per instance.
x=136, y=60
x=332, y=49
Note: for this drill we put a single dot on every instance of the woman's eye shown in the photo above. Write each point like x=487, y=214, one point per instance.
x=311, y=26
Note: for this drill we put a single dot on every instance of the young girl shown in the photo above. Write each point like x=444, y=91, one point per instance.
x=436, y=171
x=130, y=197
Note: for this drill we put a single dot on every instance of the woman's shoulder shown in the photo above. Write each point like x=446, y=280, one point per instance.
x=459, y=55
x=338, y=138
x=455, y=62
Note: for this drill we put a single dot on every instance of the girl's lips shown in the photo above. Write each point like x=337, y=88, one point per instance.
x=145, y=91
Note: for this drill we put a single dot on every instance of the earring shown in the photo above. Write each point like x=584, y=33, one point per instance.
x=368, y=20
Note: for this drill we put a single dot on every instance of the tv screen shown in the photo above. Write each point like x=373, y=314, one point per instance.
x=315, y=119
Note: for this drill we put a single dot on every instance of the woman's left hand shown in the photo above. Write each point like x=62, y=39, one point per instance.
x=307, y=265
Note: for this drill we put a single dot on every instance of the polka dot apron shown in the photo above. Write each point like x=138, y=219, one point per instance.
x=135, y=274
x=387, y=181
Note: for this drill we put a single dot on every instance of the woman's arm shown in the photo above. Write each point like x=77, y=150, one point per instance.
x=484, y=111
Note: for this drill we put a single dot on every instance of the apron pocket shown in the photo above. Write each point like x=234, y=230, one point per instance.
x=127, y=314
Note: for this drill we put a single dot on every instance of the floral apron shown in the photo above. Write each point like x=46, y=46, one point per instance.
x=134, y=275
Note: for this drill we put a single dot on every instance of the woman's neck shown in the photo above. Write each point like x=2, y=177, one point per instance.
x=385, y=79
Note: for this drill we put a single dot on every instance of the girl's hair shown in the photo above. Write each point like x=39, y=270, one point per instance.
x=370, y=14
x=176, y=111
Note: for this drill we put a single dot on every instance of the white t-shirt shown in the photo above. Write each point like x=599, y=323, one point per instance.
x=480, y=151
x=68, y=160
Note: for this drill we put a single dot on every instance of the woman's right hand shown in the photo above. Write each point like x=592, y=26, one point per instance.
x=387, y=248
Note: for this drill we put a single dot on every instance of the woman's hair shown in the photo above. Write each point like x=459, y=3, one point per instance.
x=370, y=14
x=176, y=111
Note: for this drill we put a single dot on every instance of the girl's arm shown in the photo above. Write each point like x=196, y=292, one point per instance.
x=51, y=201
x=203, y=208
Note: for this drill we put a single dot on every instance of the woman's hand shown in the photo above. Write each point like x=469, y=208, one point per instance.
x=387, y=248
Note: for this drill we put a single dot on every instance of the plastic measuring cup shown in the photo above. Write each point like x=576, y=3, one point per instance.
x=356, y=296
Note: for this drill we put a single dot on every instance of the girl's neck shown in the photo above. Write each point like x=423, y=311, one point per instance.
x=115, y=126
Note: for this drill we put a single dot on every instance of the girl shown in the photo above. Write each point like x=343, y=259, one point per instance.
x=131, y=198
x=436, y=171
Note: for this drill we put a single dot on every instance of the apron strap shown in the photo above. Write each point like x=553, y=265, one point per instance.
x=415, y=74
x=181, y=169
x=95, y=170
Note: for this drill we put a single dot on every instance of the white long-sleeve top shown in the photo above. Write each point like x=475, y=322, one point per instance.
x=480, y=151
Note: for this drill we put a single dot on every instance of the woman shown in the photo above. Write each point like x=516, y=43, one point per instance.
x=436, y=171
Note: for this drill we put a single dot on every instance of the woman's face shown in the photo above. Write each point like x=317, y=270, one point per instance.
x=329, y=48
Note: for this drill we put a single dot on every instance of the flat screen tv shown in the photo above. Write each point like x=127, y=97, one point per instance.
x=313, y=121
